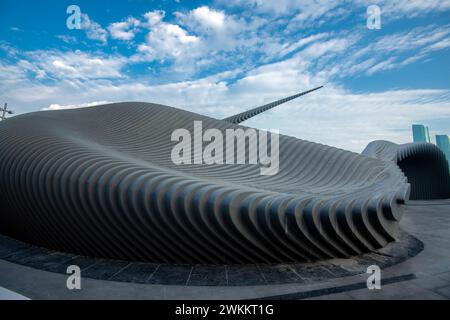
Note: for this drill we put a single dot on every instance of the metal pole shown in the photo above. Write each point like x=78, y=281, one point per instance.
x=4, y=111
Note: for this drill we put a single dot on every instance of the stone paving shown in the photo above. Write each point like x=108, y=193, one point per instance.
x=208, y=275
x=430, y=222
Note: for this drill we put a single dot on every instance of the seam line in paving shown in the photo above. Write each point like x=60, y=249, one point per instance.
x=332, y=290
x=123, y=268
x=151, y=275
x=226, y=275
x=189, y=277
x=262, y=274
x=90, y=266
x=436, y=290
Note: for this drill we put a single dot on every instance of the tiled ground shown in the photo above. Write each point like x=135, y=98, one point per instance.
x=207, y=275
x=431, y=224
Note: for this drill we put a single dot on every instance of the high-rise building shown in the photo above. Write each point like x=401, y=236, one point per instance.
x=420, y=133
x=443, y=143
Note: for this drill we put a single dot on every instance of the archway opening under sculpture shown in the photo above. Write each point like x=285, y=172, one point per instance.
x=426, y=172
x=424, y=165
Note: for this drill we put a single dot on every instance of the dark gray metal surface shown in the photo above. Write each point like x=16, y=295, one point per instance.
x=100, y=182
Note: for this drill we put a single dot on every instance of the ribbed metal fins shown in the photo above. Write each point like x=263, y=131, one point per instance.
x=100, y=182
x=238, y=118
x=424, y=164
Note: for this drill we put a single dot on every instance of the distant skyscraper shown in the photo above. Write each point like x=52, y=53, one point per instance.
x=443, y=143
x=420, y=133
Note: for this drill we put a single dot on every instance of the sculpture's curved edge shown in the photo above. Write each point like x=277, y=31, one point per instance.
x=424, y=164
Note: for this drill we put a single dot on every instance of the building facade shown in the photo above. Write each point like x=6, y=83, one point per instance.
x=442, y=141
x=420, y=133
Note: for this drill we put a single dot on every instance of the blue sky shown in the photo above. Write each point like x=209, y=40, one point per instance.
x=222, y=57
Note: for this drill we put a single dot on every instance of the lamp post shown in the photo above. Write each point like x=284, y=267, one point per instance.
x=5, y=111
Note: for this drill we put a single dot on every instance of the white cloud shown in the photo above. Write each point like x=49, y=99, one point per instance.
x=381, y=66
x=124, y=30
x=316, y=12
x=202, y=38
x=221, y=31
x=74, y=65
x=207, y=18
x=395, y=9
x=55, y=106
x=410, y=40
x=154, y=17
x=94, y=31
x=442, y=44
x=58, y=64
x=352, y=54
x=168, y=42
x=67, y=39
x=318, y=49
x=310, y=10
x=11, y=74
x=277, y=7
x=291, y=47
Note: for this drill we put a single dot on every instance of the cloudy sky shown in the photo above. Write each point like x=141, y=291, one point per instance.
x=225, y=56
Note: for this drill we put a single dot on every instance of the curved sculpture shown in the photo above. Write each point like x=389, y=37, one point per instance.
x=424, y=164
x=100, y=182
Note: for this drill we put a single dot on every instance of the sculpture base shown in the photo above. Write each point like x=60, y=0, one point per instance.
x=208, y=275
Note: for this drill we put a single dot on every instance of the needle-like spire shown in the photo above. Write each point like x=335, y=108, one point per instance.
x=240, y=117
